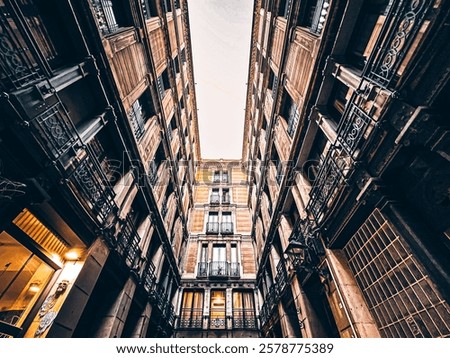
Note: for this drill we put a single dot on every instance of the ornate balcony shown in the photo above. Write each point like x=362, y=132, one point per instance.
x=398, y=34
x=54, y=131
x=235, y=269
x=214, y=199
x=90, y=185
x=212, y=228
x=218, y=269
x=327, y=184
x=128, y=243
x=226, y=228
x=202, y=269
x=149, y=278
x=191, y=318
x=353, y=129
x=244, y=318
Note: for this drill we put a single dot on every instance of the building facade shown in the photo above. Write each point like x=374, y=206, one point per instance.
x=349, y=146
x=218, y=296
x=334, y=223
x=98, y=143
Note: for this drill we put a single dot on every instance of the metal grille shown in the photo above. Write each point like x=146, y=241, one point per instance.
x=401, y=297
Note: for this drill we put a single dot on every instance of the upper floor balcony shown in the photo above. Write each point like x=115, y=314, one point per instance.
x=218, y=269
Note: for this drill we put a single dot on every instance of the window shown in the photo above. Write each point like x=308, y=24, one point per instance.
x=217, y=312
x=313, y=15
x=226, y=224
x=284, y=8
x=163, y=84
x=25, y=272
x=141, y=110
x=192, y=310
x=215, y=197
x=149, y=8
x=243, y=310
x=234, y=264
x=220, y=176
x=226, y=196
x=290, y=113
x=212, y=226
x=202, y=270
x=367, y=28
x=219, y=265
x=167, y=6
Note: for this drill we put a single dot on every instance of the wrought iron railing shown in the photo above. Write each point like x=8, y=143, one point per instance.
x=128, y=243
x=226, y=228
x=214, y=199
x=294, y=115
x=191, y=318
x=136, y=117
x=352, y=129
x=219, y=269
x=269, y=305
x=91, y=187
x=329, y=180
x=104, y=13
x=212, y=228
x=235, y=269
x=19, y=59
x=244, y=318
x=217, y=319
x=401, y=26
x=202, y=269
x=149, y=278
x=282, y=278
x=54, y=130
x=153, y=173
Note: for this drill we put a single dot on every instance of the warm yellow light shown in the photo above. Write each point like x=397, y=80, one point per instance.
x=34, y=287
x=71, y=255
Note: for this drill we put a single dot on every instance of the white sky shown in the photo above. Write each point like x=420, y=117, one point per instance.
x=220, y=34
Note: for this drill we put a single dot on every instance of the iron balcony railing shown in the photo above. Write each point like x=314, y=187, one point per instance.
x=226, y=228
x=329, y=180
x=219, y=269
x=399, y=31
x=353, y=128
x=104, y=14
x=226, y=199
x=293, y=119
x=212, y=228
x=244, y=318
x=202, y=269
x=214, y=199
x=149, y=278
x=282, y=278
x=128, y=243
x=153, y=173
x=191, y=318
x=235, y=269
x=26, y=50
x=54, y=131
x=217, y=319
x=92, y=188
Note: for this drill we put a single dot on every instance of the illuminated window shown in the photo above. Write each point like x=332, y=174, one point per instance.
x=217, y=313
x=192, y=310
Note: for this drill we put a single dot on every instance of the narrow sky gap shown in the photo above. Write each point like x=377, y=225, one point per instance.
x=220, y=35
